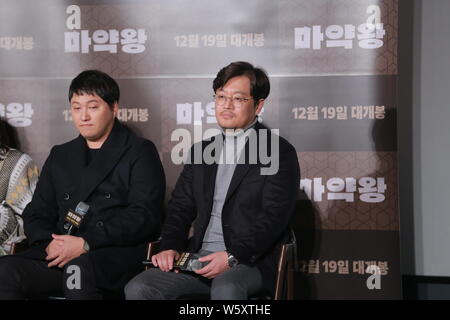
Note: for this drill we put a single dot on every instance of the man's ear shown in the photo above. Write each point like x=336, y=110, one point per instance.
x=259, y=106
x=115, y=109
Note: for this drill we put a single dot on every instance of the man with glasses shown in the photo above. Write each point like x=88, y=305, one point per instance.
x=240, y=216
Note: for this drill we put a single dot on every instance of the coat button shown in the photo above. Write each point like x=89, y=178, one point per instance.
x=107, y=195
x=66, y=196
x=99, y=224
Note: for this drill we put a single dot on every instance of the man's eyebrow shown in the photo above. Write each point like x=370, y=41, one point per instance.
x=240, y=92
x=93, y=100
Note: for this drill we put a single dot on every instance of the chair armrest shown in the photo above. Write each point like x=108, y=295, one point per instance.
x=152, y=249
x=19, y=246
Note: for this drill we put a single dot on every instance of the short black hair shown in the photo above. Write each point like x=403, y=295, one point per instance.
x=95, y=82
x=8, y=136
x=259, y=81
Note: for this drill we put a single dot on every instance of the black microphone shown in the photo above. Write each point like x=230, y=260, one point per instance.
x=189, y=262
x=74, y=218
x=186, y=262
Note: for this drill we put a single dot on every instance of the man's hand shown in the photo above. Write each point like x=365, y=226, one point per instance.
x=63, y=249
x=218, y=264
x=53, y=249
x=164, y=260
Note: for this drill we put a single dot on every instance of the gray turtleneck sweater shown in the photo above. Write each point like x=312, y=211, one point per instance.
x=213, y=238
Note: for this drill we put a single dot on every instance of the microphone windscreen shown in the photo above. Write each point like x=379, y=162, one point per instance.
x=82, y=208
x=194, y=265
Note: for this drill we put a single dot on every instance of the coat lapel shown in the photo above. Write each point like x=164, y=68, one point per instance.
x=242, y=168
x=239, y=173
x=107, y=158
x=209, y=180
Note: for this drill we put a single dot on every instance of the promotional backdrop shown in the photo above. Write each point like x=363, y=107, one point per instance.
x=333, y=71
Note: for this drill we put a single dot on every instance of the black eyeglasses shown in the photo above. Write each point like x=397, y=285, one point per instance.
x=221, y=99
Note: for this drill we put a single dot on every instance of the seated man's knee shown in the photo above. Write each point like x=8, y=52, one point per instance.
x=223, y=289
x=78, y=268
x=134, y=290
x=10, y=279
x=144, y=287
x=7, y=269
x=79, y=279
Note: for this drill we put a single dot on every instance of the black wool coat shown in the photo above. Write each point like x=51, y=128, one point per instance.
x=124, y=186
x=256, y=212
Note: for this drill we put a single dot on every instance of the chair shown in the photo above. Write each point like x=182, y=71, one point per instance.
x=287, y=265
x=152, y=249
x=19, y=246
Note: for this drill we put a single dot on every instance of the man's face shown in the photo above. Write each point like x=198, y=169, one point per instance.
x=93, y=118
x=232, y=113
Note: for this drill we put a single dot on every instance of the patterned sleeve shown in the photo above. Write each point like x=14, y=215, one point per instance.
x=21, y=186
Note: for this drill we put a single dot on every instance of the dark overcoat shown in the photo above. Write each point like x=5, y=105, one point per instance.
x=124, y=186
x=257, y=208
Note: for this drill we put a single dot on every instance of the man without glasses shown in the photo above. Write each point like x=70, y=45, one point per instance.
x=119, y=176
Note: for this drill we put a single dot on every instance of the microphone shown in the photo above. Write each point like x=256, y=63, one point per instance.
x=186, y=262
x=74, y=218
x=189, y=262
